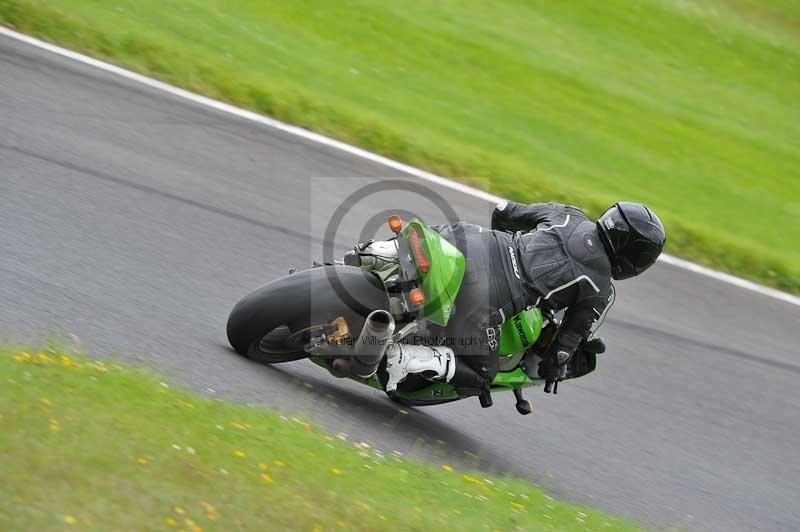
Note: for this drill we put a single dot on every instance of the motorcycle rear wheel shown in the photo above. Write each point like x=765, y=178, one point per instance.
x=267, y=325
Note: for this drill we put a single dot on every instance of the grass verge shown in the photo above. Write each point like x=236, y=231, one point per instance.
x=89, y=444
x=688, y=106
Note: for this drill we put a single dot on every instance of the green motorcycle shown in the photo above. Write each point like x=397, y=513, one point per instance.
x=388, y=291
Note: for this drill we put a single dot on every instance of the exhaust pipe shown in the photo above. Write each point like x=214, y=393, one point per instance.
x=371, y=343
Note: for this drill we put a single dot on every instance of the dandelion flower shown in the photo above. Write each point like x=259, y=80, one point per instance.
x=336, y=471
x=179, y=510
x=518, y=506
x=142, y=461
x=70, y=520
x=170, y=521
x=46, y=402
x=239, y=454
x=278, y=463
x=447, y=468
x=263, y=467
x=266, y=478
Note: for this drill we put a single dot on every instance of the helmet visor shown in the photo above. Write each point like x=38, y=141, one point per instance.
x=646, y=253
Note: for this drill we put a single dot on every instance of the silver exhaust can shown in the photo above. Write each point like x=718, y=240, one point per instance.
x=371, y=343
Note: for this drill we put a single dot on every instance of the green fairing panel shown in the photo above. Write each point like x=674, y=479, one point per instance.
x=512, y=379
x=521, y=331
x=446, y=265
x=437, y=391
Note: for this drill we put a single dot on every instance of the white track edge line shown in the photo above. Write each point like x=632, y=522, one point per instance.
x=353, y=150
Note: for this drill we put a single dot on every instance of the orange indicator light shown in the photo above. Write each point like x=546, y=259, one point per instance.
x=395, y=223
x=417, y=296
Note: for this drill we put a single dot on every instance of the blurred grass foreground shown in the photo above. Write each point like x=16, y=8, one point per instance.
x=689, y=106
x=93, y=445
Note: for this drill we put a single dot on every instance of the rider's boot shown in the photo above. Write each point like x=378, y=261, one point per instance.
x=437, y=363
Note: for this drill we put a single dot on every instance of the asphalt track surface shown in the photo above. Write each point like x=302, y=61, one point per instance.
x=131, y=221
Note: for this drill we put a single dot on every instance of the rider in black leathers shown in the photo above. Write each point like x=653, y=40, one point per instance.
x=547, y=255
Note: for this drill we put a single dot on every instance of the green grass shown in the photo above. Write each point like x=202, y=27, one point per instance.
x=88, y=444
x=690, y=106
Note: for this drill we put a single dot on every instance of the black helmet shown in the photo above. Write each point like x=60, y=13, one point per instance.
x=633, y=237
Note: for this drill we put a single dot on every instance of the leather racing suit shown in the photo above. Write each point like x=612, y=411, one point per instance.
x=548, y=255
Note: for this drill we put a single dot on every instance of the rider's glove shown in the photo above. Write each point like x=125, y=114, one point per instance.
x=553, y=369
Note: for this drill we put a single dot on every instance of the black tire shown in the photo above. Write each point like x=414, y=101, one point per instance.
x=261, y=324
x=412, y=403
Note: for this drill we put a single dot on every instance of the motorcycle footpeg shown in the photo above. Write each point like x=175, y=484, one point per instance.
x=485, y=399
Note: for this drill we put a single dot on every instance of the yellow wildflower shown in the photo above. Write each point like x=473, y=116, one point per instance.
x=142, y=461
x=341, y=523
x=336, y=471
x=211, y=512
x=239, y=454
x=66, y=361
x=179, y=510
x=517, y=505
x=473, y=480
x=278, y=463
x=263, y=467
x=46, y=402
x=447, y=468
x=70, y=520
x=170, y=521
x=266, y=478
